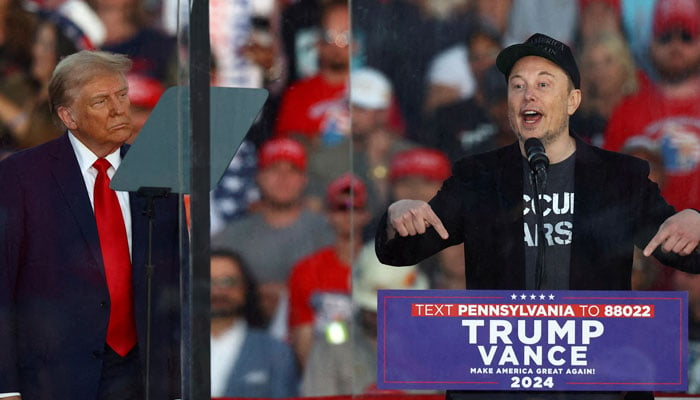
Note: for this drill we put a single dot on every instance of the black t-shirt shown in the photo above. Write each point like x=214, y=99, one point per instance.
x=558, y=212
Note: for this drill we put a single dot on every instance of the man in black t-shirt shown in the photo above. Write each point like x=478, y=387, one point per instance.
x=487, y=203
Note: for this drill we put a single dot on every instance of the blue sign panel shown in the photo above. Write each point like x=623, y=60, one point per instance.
x=532, y=340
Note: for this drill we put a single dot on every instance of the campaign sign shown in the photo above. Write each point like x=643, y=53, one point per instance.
x=532, y=340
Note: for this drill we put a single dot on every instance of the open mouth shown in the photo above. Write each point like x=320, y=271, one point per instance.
x=531, y=117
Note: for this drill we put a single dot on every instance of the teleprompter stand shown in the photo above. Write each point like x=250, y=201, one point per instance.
x=158, y=163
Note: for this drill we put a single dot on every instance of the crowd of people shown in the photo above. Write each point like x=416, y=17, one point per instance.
x=370, y=102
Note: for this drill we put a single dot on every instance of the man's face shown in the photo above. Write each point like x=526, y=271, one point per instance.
x=228, y=295
x=347, y=220
x=100, y=115
x=676, y=55
x=539, y=100
x=482, y=54
x=44, y=52
x=281, y=184
x=367, y=120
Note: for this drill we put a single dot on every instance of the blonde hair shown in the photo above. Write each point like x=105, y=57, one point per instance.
x=75, y=70
x=616, y=44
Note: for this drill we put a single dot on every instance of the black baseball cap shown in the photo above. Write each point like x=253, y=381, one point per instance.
x=542, y=46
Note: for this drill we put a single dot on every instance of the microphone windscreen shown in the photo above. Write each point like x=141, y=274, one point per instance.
x=535, y=153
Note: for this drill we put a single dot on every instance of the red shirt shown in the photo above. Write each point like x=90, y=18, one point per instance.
x=321, y=272
x=672, y=125
x=307, y=104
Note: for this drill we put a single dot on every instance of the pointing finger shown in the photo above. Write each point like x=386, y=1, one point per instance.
x=439, y=227
x=659, y=238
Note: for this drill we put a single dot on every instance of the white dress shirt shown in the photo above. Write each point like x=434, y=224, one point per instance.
x=225, y=350
x=85, y=159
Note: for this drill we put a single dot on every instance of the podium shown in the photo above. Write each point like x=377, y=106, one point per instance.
x=530, y=340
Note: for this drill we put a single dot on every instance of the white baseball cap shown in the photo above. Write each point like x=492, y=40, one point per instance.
x=369, y=88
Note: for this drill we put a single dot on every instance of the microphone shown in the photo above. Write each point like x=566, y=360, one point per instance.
x=536, y=156
x=539, y=162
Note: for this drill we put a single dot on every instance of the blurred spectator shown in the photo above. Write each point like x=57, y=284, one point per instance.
x=370, y=147
x=313, y=104
x=598, y=17
x=278, y=231
x=454, y=72
x=17, y=27
x=245, y=360
x=494, y=12
x=244, y=42
x=473, y=125
x=30, y=123
x=245, y=49
x=553, y=18
x=418, y=173
x=129, y=32
x=608, y=74
x=319, y=285
x=667, y=111
x=400, y=38
x=144, y=93
x=348, y=365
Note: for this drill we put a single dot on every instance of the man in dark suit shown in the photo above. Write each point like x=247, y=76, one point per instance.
x=489, y=203
x=72, y=276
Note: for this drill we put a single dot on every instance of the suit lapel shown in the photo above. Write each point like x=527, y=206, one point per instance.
x=69, y=179
x=588, y=175
x=510, y=188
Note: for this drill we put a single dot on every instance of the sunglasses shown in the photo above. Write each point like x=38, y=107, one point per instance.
x=226, y=282
x=340, y=39
x=683, y=35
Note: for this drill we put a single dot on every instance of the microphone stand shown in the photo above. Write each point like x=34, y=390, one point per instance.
x=150, y=193
x=538, y=180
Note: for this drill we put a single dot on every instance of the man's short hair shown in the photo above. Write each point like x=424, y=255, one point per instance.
x=73, y=71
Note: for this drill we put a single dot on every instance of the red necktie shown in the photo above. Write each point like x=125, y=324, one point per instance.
x=121, y=331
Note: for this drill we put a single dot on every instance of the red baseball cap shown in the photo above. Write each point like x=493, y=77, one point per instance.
x=346, y=192
x=282, y=149
x=676, y=14
x=144, y=91
x=429, y=163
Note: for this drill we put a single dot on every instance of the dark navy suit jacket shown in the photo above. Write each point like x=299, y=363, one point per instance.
x=54, y=303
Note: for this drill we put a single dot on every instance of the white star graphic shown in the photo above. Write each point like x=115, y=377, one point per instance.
x=533, y=296
x=523, y=296
x=551, y=297
x=542, y=297
x=513, y=296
